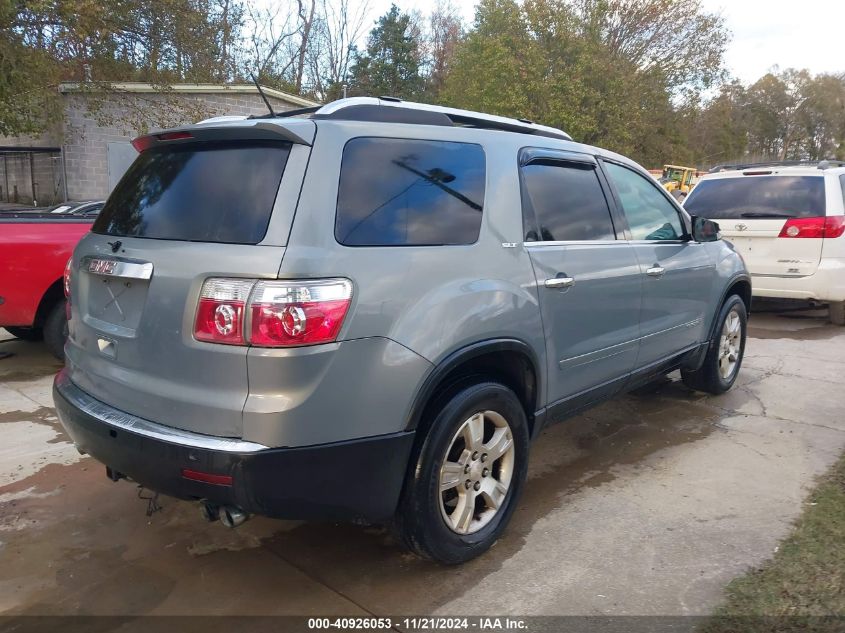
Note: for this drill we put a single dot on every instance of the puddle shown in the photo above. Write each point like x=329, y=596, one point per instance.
x=24, y=375
x=42, y=415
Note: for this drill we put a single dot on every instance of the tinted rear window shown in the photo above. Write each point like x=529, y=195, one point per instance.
x=401, y=192
x=757, y=196
x=201, y=193
x=567, y=201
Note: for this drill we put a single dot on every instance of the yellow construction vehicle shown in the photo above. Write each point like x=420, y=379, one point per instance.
x=678, y=180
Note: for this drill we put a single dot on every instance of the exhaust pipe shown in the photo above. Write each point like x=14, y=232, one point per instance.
x=232, y=517
x=210, y=512
x=113, y=474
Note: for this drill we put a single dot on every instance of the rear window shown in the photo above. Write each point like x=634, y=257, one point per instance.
x=758, y=196
x=199, y=193
x=404, y=192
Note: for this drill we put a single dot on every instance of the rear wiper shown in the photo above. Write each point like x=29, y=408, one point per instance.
x=765, y=215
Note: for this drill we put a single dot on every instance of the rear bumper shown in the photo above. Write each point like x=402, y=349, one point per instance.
x=826, y=284
x=356, y=479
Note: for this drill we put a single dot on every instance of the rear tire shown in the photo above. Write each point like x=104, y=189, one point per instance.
x=724, y=355
x=836, y=312
x=480, y=436
x=55, y=330
x=26, y=333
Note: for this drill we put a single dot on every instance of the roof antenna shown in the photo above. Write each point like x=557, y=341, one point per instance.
x=263, y=96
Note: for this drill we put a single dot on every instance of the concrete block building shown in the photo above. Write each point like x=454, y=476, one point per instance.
x=84, y=154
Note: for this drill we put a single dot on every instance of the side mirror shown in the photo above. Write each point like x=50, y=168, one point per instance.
x=704, y=230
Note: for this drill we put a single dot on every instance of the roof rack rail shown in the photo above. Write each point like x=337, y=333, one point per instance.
x=393, y=110
x=286, y=113
x=826, y=163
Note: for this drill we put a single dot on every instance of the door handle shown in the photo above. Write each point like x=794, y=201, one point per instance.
x=655, y=271
x=559, y=282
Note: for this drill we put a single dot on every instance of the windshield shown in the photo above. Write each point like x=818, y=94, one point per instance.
x=758, y=196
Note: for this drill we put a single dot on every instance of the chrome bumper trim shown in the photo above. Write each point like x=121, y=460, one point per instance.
x=133, y=424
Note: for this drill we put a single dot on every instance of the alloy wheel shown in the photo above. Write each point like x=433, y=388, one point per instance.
x=476, y=473
x=730, y=343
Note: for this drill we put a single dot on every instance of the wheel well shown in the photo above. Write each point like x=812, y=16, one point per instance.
x=54, y=294
x=511, y=368
x=741, y=288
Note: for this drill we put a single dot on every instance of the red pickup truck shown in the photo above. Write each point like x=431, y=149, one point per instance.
x=34, y=249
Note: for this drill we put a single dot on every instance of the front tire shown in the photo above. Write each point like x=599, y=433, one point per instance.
x=468, y=475
x=724, y=355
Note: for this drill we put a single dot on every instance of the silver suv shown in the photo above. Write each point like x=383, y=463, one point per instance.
x=367, y=310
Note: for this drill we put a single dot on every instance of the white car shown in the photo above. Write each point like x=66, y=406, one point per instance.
x=787, y=221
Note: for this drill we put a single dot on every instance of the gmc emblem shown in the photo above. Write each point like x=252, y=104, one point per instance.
x=102, y=266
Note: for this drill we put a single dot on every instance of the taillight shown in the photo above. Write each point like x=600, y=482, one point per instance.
x=272, y=313
x=221, y=310
x=143, y=143
x=830, y=226
x=286, y=313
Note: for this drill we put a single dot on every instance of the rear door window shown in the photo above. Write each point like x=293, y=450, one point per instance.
x=209, y=192
x=406, y=192
x=564, y=202
x=750, y=197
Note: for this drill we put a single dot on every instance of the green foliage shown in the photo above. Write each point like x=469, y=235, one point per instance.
x=783, y=115
x=606, y=71
x=25, y=74
x=391, y=63
x=43, y=42
x=642, y=77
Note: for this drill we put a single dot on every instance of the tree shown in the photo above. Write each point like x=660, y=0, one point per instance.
x=338, y=26
x=497, y=68
x=445, y=30
x=822, y=117
x=676, y=40
x=717, y=130
x=97, y=43
x=607, y=71
x=26, y=74
x=774, y=106
x=391, y=63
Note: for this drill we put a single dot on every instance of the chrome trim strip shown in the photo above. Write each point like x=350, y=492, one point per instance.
x=688, y=324
x=775, y=276
x=121, y=268
x=620, y=348
x=601, y=354
x=132, y=424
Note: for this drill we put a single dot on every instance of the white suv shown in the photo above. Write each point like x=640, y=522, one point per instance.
x=787, y=220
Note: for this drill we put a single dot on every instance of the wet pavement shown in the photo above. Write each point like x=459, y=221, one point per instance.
x=648, y=504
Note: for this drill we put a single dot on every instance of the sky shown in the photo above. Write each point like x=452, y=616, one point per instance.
x=806, y=34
